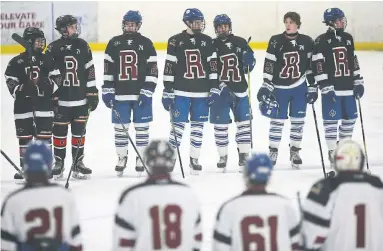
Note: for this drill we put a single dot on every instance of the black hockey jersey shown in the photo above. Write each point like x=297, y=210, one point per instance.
x=18, y=73
x=191, y=65
x=230, y=62
x=334, y=61
x=130, y=64
x=75, y=61
x=287, y=62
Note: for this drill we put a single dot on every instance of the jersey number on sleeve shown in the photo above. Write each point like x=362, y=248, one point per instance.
x=360, y=214
x=194, y=67
x=341, y=61
x=71, y=67
x=166, y=223
x=230, y=66
x=128, y=65
x=43, y=217
x=291, y=68
x=252, y=239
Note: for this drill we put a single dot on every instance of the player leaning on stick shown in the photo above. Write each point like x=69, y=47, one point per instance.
x=284, y=93
x=234, y=59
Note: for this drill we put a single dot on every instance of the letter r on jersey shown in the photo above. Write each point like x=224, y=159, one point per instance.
x=230, y=65
x=340, y=59
x=128, y=60
x=193, y=61
x=291, y=68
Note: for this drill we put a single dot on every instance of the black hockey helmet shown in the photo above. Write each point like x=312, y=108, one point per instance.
x=159, y=157
x=62, y=23
x=36, y=38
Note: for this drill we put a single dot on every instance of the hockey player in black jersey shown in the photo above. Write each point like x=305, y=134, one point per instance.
x=76, y=96
x=190, y=81
x=130, y=78
x=32, y=90
x=235, y=58
x=286, y=74
x=336, y=70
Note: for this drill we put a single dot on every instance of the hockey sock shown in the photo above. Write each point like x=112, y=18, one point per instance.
x=296, y=131
x=196, y=134
x=78, y=142
x=121, y=140
x=346, y=128
x=331, y=133
x=242, y=137
x=275, y=132
x=46, y=138
x=60, y=132
x=23, y=144
x=179, y=128
x=221, y=138
x=142, y=137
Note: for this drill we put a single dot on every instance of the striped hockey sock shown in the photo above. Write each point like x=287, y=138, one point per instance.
x=221, y=138
x=121, y=140
x=242, y=137
x=275, y=132
x=331, y=133
x=196, y=133
x=296, y=131
x=346, y=128
x=179, y=128
x=142, y=137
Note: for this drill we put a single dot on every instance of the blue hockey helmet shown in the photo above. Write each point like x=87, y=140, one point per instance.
x=221, y=20
x=130, y=18
x=258, y=169
x=37, y=158
x=332, y=15
x=269, y=107
x=194, y=19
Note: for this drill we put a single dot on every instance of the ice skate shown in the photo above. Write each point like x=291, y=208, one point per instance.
x=80, y=171
x=295, y=159
x=58, y=169
x=273, y=154
x=121, y=165
x=195, y=168
x=222, y=163
x=242, y=158
x=139, y=166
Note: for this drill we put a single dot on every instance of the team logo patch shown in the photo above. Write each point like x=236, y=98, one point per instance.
x=332, y=113
x=269, y=67
x=176, y=113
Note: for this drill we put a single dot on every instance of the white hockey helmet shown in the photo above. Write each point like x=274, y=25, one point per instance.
x=348, y=156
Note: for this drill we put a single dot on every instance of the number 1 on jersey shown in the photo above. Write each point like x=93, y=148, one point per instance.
x=251, y=239
x=360, y=213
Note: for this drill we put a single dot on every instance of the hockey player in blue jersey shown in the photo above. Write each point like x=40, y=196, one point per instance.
x=336, y=70
x=235, y=58
x=285, y=92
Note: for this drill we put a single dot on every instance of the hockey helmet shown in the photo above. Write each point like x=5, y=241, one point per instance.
x=37, y=159
x=348, y=156
x=132, y=16
x=258, y=169
x=62, y=23
x=159, y=157
x=36, y=38
x=194, y=19
x=332, y=15
x=220, y=20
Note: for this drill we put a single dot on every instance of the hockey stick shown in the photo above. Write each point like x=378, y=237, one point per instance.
x=364, y=137
x=130, y=139
x=11, y=162
x=319, y=142
x=77, y=151
x=175, y=138
x=250, y=110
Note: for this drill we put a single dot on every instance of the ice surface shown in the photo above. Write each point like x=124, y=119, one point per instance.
x=97, y=197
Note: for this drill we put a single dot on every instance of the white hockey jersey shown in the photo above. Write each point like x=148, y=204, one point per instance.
x=158, y=215
x=344, y=213
x=257, y=220
x=40, y=211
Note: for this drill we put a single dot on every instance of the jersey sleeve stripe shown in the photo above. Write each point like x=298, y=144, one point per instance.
x=151, y=79
x=91, y=83
x=317, y=57
x=168, y=78
x=271, y=57
x=108, y=58
x=357, y=72
x=309, y=54
x=321, y=77
x=123, y=224
x=316, y=219
x=89, y=64
x=213, y=56
x=213, y=76
x=152, y=59
x=268, y=76
x=11, y=77
x=221, y=238
x=108, y=78
x=171, y=58
x=8, y=236
x=54, y=72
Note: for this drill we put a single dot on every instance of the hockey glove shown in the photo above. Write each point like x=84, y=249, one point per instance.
x=145, y=97
x=358, y=88
x=248, y=61
x=312, y=94
x=227, y=95
x=328, y=93
x=92, y=98
x=213, y=96
x=108, y=95
x=265, y=91
x=167, y=99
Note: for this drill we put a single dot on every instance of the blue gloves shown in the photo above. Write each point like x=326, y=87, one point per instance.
x=312, y=94
x=108, y=95
x=265, y=91
x=248, y=61
x=167, y=98
x=227, y=94
x=328, y=93
x=145, y=97
x=358, y=88
x=213, y=96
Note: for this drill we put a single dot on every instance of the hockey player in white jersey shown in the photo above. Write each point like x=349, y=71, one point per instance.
x=40, y=216
x=160, y=213
x=256, y=219
x=345, y=212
